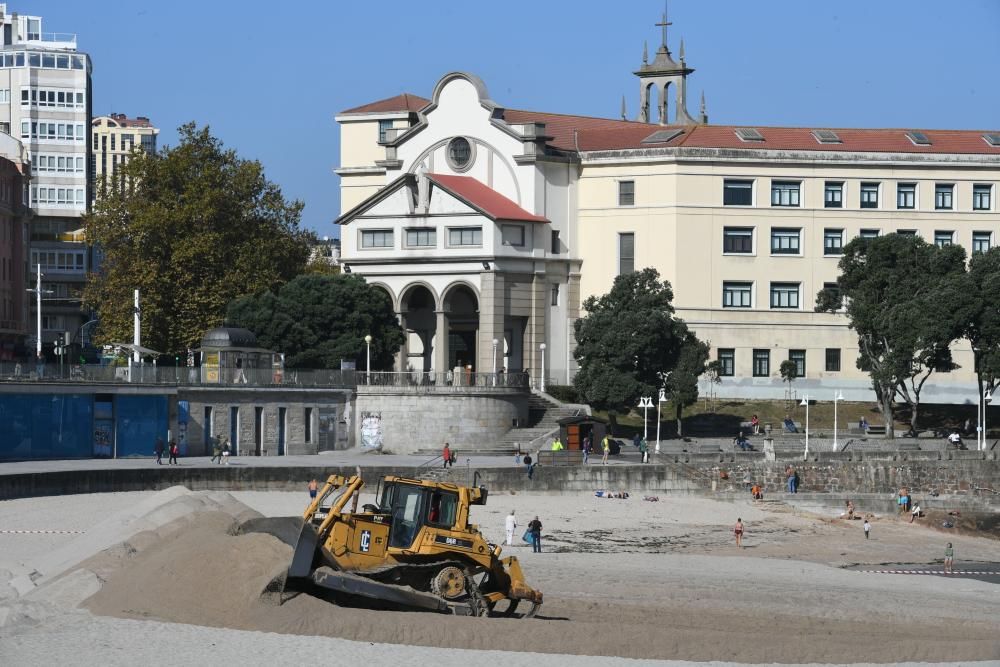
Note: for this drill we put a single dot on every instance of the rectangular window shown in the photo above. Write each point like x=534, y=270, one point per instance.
x=626, y=193
x=737, y=240
x=737, y=295
x=906, y=232
x=906, y=195
x=376, y=238
x=784, y=241
x=982, y=196
x=833, y=241
x=421, y=238
x=784, y=295
x=513, y=235
x=555, y=242
x=833, y=360
x=465, y=236
x=626, y=253
x=869, y=195
x=943, y=196
x=785, y=193
x=834, y=290
x=308, y=419
x=555, y=295
x=869, y=233
x=798, y=357
x=383, y=127
x=737, y=193
x=833, y=194
x=761, y=363
x=941, y=239
x=981, y=241
x=727, y=362
x=207, y=427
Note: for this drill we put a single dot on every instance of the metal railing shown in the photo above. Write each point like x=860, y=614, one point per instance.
x=176, y=375
x=447, y=379
x=67, y=37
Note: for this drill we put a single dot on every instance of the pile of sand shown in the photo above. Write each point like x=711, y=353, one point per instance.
x=204, y=574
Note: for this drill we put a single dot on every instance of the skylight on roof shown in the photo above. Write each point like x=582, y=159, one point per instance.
x=826, y=137
x=992, y=138
x=749, y=134
x=663, y=136
x=918, y=138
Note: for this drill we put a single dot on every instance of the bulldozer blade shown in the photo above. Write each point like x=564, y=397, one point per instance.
x=534, y=610
x=349, y=584
x=305, y=552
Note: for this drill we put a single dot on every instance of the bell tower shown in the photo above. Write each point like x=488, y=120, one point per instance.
x=660, y=75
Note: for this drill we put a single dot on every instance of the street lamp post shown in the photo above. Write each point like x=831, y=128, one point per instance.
x=837, y=397
x=805, y=402
x=368, y=359
x=987, y=399
x=38, y=312
x=495, y=343
x=660, y=400
x=645, y=403
x=541, y=383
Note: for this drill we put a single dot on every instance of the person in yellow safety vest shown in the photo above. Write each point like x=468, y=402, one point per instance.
x=557, y=445
x=607, y=450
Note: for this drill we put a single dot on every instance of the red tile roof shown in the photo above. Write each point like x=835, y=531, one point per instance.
x=601, y=134
x=397, y=104
x=487, y=201
x=586, y=133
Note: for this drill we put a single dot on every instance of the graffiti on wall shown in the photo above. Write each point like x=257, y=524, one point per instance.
x=371, y=430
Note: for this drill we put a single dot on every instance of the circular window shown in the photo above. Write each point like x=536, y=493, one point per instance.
x=460, y=153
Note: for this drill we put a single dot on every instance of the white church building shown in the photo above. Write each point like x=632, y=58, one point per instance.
x=487, y=224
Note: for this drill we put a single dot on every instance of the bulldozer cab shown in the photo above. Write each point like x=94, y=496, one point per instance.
x=412, y=506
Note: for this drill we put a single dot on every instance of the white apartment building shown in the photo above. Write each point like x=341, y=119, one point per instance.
x=45, y=101
x=483, y=219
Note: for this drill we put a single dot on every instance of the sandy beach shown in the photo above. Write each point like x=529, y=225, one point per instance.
x=159, y=578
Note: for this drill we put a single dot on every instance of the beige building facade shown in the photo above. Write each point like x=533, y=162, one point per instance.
x=114, y=138
x=747, y=223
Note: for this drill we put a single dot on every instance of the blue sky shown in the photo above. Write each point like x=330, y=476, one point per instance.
x=269, y=77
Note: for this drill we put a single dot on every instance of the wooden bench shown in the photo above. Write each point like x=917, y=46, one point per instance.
x=564, y=457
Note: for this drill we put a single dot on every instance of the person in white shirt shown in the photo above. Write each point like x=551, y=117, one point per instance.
x=510, y=526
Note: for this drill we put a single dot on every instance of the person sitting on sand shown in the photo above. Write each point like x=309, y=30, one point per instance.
x=850, y=510
x=755, y=492
x=915, y=512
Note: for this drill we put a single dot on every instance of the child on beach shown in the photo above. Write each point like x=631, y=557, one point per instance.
x=738, y=531
x=868, y=528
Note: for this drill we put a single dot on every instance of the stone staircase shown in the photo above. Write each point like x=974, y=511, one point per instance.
x=543, y=417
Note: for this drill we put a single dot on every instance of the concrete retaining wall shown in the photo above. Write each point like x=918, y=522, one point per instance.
x=412, y=420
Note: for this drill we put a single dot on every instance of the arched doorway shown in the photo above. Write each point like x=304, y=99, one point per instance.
x=461, y=307
x=416, y=308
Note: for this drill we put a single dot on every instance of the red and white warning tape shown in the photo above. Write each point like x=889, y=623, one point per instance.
x=929, y=572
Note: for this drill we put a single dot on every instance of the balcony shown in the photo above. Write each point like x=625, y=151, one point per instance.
x=53, y=40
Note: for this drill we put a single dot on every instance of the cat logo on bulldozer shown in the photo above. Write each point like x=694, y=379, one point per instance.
x=366, y=540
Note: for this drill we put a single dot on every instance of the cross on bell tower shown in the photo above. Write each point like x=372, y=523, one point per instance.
x=660, y=75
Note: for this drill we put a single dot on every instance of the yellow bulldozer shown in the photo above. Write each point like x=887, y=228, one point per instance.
x=413, y=549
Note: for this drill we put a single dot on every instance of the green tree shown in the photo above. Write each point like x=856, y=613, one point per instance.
x=318, y=320
x=628, y=337
x=193, y=228
x=682, y=385
x=788, y=372
x=907, y=300
x=984, y=325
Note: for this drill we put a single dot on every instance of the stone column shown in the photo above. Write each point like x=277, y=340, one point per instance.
x=403, y=354
x=440, y=343
x=491, y=320
x=535, y=334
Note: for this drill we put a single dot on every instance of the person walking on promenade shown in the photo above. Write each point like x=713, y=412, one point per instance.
x=158, y=450
x=174, y=450
x=587, y=442
x=643, y=450
x=313, y=486
x=226, y=449
x=535, y=528
x=606, y=445
x=867, y=527
x=510, y=525
x=446, y=455
x=738, y=532
x=216, y=450
x=949, y=559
